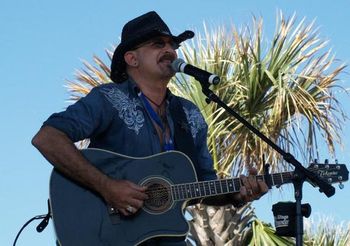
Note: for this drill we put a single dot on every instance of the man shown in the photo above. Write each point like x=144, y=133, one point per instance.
x=136, y=116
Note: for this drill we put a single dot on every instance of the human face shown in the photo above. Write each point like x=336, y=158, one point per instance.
x=155, y=57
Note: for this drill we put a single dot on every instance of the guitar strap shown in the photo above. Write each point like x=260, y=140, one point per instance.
x=182, y=132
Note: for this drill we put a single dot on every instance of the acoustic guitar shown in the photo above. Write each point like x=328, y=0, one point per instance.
x=81, y=217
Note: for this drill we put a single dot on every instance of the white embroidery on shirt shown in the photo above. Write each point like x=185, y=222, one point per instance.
x=127, y=108
x=195, y=120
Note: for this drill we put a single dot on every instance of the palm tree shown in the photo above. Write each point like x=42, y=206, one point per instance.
x=284, y=88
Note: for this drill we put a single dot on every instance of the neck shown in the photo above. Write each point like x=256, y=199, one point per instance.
x=154, y=90
x=156, y=95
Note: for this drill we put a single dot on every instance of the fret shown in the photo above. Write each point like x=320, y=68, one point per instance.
x=275, y=179
x=212, y=187
x=224, y=186
x=198, y=193
x=218, y=186
x=237, y=184
x=272, y=180
x=230, y=185
x=193, y=192
x=201, y=187
x=281, y=178
x=173, y=191
x=183, y=191
x=176, y=191
x=207, y=188
x=187, y=191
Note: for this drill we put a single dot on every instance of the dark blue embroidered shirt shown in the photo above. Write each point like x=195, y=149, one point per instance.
x=114, y=118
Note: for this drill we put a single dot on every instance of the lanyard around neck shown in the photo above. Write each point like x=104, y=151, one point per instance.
x=168, y=144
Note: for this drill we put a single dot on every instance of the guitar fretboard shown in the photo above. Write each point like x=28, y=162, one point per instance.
x=222, y=186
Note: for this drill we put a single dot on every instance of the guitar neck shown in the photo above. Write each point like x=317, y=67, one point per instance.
x=223, y=186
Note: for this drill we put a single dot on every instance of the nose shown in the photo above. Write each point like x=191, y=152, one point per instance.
x=169, y=48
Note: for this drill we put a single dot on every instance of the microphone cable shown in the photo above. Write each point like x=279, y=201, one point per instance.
x=41, y=226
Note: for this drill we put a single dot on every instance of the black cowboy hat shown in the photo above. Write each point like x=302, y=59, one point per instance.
x=137, y=31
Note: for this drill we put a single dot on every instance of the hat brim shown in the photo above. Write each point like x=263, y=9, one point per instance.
x=118, y=64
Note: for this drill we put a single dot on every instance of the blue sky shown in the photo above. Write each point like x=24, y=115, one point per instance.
x=43, y=42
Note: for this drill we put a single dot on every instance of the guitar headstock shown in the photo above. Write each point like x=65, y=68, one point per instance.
x=330, y=173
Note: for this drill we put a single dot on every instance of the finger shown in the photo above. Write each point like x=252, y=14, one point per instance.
x=245, y=182
x=139, y=195
x=252, y=171
x=124, y=212
x=137, y=204
x=253, y=184
x=130, y=209
x=137, y=187
x=244, y=194
x=263, y=187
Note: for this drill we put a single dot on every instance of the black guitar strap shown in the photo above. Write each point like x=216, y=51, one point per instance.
x=182, y=131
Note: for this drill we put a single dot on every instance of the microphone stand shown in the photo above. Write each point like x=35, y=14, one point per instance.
x=300, y=173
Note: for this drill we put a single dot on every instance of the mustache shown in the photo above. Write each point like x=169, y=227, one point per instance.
x=167, y=56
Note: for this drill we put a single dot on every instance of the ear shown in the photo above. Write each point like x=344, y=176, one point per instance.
x=130, y=58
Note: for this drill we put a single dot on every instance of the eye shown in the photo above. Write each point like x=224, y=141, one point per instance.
x=158, y=43
x=174, y=45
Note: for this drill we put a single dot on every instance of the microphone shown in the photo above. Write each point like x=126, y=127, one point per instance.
x=180, y=65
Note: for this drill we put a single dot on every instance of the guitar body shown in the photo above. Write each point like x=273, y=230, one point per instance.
x=81, y=217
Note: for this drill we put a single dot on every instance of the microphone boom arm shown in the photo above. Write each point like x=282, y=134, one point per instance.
x=300, y=173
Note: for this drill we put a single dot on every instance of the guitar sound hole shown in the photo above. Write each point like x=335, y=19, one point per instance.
x=159, y=196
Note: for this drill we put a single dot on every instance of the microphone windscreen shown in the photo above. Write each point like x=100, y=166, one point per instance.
x=175, y=65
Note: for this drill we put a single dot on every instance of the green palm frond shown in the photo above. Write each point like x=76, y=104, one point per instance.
x=89, y=77
x=326, y=232
x=223, y=225
x=285, y=89
x=264, y=234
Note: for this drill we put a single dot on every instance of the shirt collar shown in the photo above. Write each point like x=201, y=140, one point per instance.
x=134, y=89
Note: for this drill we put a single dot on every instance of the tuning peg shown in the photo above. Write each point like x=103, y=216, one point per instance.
x=336, y=161
x=315, y=161
x=326, y=161
x=341, y=185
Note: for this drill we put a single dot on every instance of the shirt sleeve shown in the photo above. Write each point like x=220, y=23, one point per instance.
x=87, y=117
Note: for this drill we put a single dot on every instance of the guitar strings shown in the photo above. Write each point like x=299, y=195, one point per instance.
x=167, y=190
